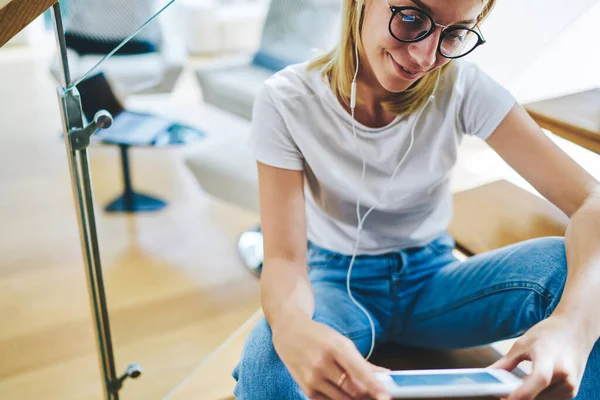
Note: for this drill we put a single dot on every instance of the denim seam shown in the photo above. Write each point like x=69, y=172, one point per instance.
x=354, y=334
x=358, y=334
x=490, y=291
x=330, y=263
x=440, y=249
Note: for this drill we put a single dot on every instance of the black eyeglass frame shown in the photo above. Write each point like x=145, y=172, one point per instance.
x=446, y=29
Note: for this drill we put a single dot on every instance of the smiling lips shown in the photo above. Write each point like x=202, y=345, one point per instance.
x=403, y=71
x=407, y=71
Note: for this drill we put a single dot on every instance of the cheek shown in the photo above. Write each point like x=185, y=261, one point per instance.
x=377, y=45
x=376, y=37
x=441, y=61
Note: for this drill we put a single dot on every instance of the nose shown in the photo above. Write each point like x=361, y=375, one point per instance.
x=424, y=52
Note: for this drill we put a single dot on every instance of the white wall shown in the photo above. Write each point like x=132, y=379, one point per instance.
x=542, y=48
x=571, y=63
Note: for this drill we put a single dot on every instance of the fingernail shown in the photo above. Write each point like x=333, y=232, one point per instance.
x=382, y=396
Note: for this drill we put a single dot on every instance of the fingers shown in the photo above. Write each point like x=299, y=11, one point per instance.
x=534, y=384
x=347, y=390
x=511, y=360
x=559, y=389
x=556, y=391
x=320, y=396
x=327, y=378
x=354, y=389
x=330, y=391
x=377, y=368
x=359, y=370
x=343, y=382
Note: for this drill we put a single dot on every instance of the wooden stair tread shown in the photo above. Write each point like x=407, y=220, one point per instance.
x=213, y=380
x=485, y=218
x=575, y=117
x=499, y=214
x=17, y=14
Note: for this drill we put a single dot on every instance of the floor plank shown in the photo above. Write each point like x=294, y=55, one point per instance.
x=175, y=285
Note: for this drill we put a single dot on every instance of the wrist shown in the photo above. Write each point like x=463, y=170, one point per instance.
x=585, y=326
x=289, y=324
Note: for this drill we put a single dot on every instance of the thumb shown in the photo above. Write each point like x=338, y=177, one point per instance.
x=510, y=361
x=377, y=368
x=534, y=384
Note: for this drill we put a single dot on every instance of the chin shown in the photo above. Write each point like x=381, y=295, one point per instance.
x=391, y=79
x=393, y=84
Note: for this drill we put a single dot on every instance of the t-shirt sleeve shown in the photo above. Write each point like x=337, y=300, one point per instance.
x=271, y=141
x=485, y=103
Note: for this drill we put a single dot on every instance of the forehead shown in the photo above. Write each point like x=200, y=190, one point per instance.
x=450, y=11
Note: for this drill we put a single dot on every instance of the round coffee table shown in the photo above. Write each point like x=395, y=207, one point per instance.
x=167, y=134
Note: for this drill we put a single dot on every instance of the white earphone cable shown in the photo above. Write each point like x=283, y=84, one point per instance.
x=362, y=219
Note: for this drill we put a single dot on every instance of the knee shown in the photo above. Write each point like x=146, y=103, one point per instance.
x=550, y=258
x=260, y=373
x=556, y=247
x=541, y=264
x=552, y=251
x=556, y=257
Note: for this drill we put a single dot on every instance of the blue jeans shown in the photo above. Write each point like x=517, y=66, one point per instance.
x=422, y=297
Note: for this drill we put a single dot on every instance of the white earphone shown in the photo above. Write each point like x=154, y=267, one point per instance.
x=361, y=220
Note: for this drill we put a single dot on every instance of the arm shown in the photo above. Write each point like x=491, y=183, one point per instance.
x=583, y=257
x=315, y=354
x=286, y=294
x=524, y=146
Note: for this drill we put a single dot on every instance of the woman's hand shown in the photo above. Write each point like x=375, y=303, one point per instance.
x=559, y=351
x=326, y=364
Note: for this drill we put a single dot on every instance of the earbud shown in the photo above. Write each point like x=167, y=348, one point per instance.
x=431, y=98
x=359, y=4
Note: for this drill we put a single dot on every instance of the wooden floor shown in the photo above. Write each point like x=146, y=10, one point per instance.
x=175, y=286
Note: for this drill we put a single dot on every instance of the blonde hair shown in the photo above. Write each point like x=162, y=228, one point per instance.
x=339, y=65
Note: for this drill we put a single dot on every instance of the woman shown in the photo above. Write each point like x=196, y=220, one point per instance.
x=363, y=169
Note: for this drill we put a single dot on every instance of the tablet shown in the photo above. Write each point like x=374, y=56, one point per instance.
x=448, y=383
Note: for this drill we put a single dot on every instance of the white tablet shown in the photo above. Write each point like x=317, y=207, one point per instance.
x=448, y=383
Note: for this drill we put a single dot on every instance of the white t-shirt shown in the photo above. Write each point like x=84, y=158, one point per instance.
x=299, y=124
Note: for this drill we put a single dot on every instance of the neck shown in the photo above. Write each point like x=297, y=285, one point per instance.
x=370, y=95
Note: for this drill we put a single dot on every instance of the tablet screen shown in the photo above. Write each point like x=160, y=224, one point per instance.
x=445, y=379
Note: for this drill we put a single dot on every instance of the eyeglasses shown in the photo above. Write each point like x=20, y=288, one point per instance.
x=411, y=24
